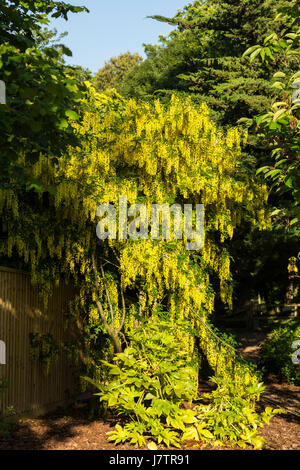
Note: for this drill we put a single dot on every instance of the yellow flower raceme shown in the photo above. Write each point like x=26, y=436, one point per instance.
x=151, y=154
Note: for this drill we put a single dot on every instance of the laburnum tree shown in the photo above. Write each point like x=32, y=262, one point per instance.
x=151, y=154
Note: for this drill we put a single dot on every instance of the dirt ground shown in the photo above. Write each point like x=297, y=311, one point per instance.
x=72, y=428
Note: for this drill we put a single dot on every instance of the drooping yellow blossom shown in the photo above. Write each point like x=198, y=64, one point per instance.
x=154, y=154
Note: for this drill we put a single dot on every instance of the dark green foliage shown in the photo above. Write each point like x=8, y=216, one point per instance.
x=278, y=350
x=42, y=92
x=44, y=349
x=278, y=133
x=204, y=57
x=260, y=263
x=279, y=128
x=158, y=75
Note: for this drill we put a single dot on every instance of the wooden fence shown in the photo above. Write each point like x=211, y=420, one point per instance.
x=22, y=311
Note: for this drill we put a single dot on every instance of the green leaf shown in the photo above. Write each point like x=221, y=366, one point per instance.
x=263, y=169
x=272, y=36
x=250, y=50
x=37, y=187
x=63, y=124
x=206, y=433
x=279, y=114
x=72, y=115
x=278, y=85
x=272, y=173
x=294, y=221
x=255, y=54
x=279, y=75
x=289, y=182
x=191, y=434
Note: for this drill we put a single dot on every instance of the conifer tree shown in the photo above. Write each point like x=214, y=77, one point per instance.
x=203, y=56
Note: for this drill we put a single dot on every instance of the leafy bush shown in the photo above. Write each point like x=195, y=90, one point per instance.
x=44, y=349
x=230, y=417
x=150, y=383
x=277, y=353
x=227, y=337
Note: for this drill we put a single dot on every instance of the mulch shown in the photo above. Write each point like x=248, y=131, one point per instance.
x=71, y=428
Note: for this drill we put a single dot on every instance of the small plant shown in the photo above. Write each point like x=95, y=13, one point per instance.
x=277, y=353
x=154, y=384
x=6, y=421
x=44, y=349
x=230, y=417
x=150, y=381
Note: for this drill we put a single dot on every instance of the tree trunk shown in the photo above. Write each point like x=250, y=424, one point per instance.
x=117, y=343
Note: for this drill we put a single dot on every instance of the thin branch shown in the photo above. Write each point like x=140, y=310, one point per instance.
x=118, y=258
x=125, y=340
x=124, y=310
x=140, y=296
x=109, y=262
x=113, y=333
x=108, y=297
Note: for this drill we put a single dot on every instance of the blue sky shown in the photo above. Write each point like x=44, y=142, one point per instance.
x=113, y=27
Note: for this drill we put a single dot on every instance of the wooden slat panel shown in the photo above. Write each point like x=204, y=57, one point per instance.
x=21, y=312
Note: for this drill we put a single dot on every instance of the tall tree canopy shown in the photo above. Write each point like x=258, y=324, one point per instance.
x=21, y=20
x=42, y=92
x=203, y=57
x=114, y=71
x=152, y=154
x=280, y=126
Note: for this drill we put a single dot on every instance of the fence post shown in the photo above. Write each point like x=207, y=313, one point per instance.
x=2, y=92
x=2, y=353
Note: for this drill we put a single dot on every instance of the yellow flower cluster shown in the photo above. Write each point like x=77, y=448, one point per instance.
x=154, y=154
